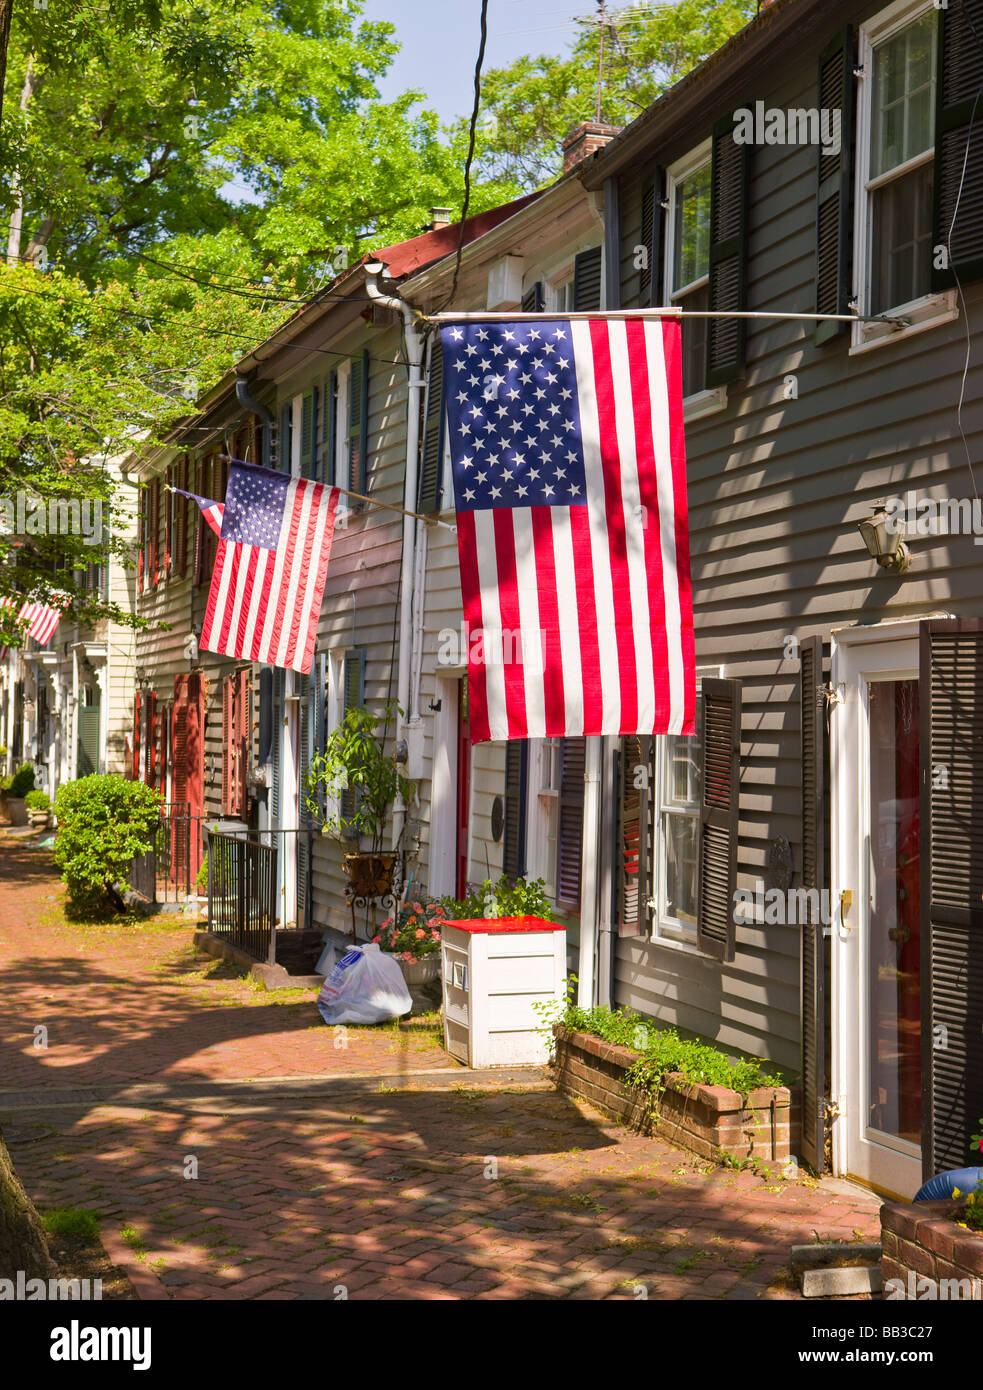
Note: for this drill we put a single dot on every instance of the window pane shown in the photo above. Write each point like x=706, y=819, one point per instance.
x=903, y=117
x=694, y=340
x=902, y=240
x=683, y=765
x=691, y=234
x=681, y=849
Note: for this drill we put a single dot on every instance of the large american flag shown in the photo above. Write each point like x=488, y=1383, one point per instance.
x=568, y=461
x=270, y=567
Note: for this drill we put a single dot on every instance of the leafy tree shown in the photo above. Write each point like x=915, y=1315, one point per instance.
x=533, y=103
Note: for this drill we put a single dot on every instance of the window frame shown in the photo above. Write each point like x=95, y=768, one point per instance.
x=664, y=930
x=342, y=446
x=708, y=400
x=930, y=309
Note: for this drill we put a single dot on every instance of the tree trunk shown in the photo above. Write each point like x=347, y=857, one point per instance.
x=6, y=10
x=17, y=216
x=23, y=1244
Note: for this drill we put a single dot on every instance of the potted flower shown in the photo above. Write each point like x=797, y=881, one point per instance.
x=38, y=806
x=15, y=789
x=351, y=788
x=412, y=935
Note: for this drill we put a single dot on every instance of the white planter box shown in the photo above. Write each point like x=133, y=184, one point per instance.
x=494, y=972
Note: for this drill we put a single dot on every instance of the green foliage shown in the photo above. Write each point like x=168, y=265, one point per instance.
x=37, y=801
x=534, y=102
x=21, y=782
x=661, y=1050
x=103, y=823
x=414, y=931
x=70, y=1221
x=355, y=761
x=202, y=879
x=507, y=898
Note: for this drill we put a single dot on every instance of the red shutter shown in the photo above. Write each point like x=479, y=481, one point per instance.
x=243, y=737
x=163, y=755
x=228, y=750
x=136, y=737
x=181, y=520
x=169, y=499
x=151, y=740
x=141, y=537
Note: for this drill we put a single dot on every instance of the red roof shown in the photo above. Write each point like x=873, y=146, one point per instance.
x=406, y=257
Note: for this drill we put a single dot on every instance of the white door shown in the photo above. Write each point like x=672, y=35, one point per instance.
x=876, y=1003
x=289, y=807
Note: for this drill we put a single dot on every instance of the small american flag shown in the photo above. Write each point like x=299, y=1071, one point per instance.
x=211, y=511
x=40, y=620
x=568, y=462
x=272, y=560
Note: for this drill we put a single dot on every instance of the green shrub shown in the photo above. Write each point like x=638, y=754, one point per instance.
x=22, y=781
x=509, y=897
x=37, y=801
x=203, y=875
x=103, y=823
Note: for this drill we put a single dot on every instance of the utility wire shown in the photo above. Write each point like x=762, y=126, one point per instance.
x=472, y=136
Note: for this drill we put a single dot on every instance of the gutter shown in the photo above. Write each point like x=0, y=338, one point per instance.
x=245, y=399
x=414, y=407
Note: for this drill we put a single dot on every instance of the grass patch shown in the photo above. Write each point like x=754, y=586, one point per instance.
x=70, y=1221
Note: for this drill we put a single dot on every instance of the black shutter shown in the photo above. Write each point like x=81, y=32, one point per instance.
x=432, y=455
x=651, y=275
x=728, y=254
x=358, y=425
x=812, y=703
x=951, y=889
x=307, y=435
x=533, y=301
x=612, y=240
x=587, y=281
x=719, y=811
x=514, y=838
x=958, y=82
x=834, y=198
x=631, y=861
x=570, y=832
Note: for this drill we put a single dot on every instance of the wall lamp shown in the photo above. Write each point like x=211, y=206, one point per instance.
x=882, y=537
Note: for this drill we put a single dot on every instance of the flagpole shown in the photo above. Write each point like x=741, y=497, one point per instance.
x=347, y=492
x=503, y=316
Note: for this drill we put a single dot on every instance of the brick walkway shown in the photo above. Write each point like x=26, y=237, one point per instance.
x=365, y=1188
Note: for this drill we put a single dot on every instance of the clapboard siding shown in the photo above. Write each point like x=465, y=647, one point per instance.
x=776, y=488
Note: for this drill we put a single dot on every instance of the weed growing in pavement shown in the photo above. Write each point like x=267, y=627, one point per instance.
x=70, y=1221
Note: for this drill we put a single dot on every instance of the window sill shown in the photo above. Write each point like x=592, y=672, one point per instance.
x=930, y=311
x=704, y=403
x=673, y=943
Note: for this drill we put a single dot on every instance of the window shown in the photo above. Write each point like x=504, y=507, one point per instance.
x=688, y=261
x=678, y=782
x=896, y=171
x=902, y=153
x=556, y=835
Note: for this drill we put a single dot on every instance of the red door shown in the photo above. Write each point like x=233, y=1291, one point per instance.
x=463, y=787
x=187, y=774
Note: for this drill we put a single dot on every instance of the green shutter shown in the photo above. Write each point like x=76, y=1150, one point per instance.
x=353, y=697
x=834, y=198
x=958, y=176
x=587, y=281
x=282, y=460
x=307, y=435
x=719, y=812
x=726, y=337
x=358, y=424
x=432, y=455
x=329, y=414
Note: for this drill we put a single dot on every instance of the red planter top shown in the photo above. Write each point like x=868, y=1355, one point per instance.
x=502, y=924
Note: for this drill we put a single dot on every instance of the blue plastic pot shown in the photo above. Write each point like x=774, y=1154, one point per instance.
x=943, y=1185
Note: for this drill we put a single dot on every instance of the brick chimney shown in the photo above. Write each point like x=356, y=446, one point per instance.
x=584, y=139
x=439, y=217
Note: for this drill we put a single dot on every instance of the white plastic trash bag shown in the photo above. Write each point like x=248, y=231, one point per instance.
x=365, y=986
x=326, y=960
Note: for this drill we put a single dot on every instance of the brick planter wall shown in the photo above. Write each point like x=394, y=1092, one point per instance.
x=704, y=1119
x=924, y=1247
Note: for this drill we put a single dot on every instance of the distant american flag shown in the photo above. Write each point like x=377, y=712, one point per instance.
x=272, y=560
x=568, y=461
x=211, y=511
x=40, y=619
